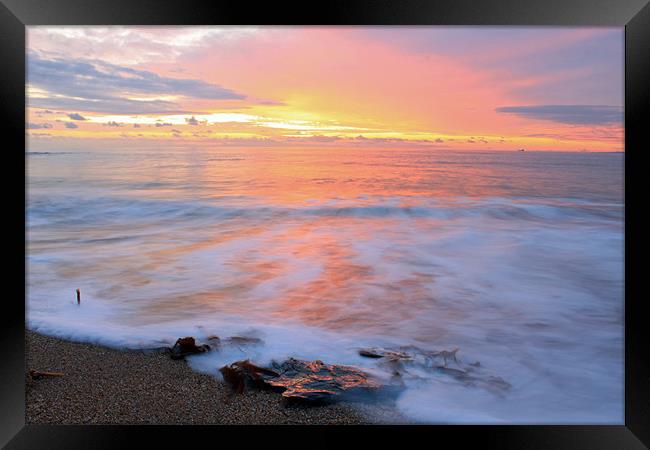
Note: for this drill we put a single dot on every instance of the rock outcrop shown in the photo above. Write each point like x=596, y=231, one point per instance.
x=187, y=346
x=402, y=360
x=309, y=381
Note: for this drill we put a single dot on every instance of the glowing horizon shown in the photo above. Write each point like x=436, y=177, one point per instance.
x=469, y=88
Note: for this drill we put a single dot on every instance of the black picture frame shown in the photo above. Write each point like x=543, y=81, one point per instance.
x=634, y=15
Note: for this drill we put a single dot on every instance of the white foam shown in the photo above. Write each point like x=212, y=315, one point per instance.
x=530, y=287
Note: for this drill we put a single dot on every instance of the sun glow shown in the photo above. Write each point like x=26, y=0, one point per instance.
x=324, y=87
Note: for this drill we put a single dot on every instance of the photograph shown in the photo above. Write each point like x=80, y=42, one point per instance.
x=325, y=225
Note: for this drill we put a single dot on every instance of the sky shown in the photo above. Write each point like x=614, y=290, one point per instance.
x=447, y=88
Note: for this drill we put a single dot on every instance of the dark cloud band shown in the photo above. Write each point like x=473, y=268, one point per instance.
x=102, y=87
x=569, y=114
x=38, y=126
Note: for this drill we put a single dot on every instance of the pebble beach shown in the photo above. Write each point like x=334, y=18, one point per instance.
x=103, y=385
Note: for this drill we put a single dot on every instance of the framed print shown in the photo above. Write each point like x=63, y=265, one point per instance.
x=384, y=217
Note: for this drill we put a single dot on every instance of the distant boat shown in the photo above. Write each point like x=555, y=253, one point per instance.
x=521, y=150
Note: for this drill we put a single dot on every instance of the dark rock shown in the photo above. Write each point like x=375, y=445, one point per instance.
x=374, y=352
x=370, y=353
x=411, y=354
x=214, y=341
x=398, y=362
x=309, y=381
x=496, y=384
x=471, y=378
x=315, y=381
x=243, y=374
x=243, y=340
x=445, y=355
x=187, y=346
x=394, y=361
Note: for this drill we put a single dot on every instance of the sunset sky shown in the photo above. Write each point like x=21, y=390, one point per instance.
x=469, y=88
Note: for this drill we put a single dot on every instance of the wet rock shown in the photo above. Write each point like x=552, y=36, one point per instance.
x=445, y=355
x=401, y=361
x=496, y=384
x=432, y=359
x=471, y=378
x=187, y=346
x=308, y=381
x=242, y=374
x=243, y=340
x=371, y=353
x=213, y=341
x=315, y=381
x=374, y=352
x=394, y=361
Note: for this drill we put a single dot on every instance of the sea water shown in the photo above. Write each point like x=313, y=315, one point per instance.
x=514, y=258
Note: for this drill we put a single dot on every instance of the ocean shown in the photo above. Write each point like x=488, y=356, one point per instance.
x=514, y=258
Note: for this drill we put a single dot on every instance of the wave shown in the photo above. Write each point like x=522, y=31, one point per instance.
x=63, y=210
x=48, y=153
x=532, y=288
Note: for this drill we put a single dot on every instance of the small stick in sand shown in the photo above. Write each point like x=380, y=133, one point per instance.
x=36, y=374
x=78, y=297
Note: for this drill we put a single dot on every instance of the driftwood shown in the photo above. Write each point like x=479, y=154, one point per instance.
x=37, y=374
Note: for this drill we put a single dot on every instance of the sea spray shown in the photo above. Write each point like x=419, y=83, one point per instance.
x=367, y=250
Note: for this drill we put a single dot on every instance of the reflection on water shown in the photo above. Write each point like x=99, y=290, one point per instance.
x=515, y=258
